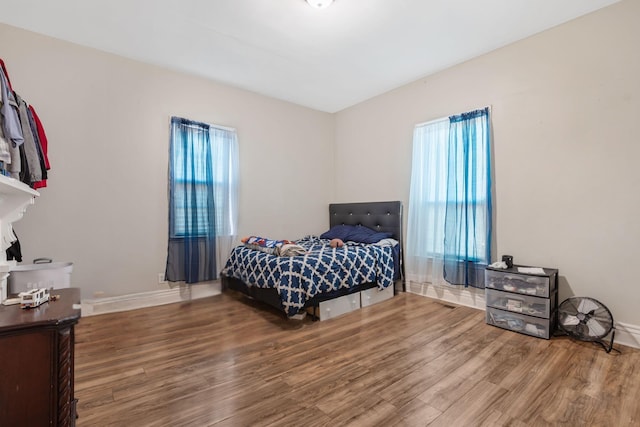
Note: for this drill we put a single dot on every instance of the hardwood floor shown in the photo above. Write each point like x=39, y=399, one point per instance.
x=409, y=361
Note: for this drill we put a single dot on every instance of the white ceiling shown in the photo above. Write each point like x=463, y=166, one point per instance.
x=326, y=59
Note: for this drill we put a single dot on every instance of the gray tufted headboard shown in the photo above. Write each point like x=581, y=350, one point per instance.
x=379, y=216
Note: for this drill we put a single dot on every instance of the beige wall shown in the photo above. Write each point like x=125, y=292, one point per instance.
x=107, y=121
x=565, y=108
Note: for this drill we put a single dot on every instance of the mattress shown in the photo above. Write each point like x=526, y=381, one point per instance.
x=321, y=270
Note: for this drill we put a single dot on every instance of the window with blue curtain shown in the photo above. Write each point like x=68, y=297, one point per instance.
x=450, y=215
x=202, y=199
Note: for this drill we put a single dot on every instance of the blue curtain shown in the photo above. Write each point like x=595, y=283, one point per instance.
x=467, y=229
x=192, y=229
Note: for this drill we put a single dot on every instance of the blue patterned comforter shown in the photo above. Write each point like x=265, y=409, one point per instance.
x=323, y=269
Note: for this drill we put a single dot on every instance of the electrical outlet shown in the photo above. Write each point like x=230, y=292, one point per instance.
x=161, y=278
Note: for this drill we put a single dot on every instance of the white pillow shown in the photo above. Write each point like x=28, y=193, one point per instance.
x=387, y=242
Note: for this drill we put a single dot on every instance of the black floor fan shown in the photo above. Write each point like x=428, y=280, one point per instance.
x=586, y=319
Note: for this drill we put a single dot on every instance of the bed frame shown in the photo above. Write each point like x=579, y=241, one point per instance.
x=379, y=216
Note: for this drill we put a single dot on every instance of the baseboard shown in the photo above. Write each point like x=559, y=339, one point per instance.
x=626, y=334
x=179, y=293
x=470, y=297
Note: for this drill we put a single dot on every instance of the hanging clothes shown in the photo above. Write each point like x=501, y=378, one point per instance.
x=9, y=111
x=14, y=251
x=23, y=142
x=15, y=168
x=42, y=138
x=36, y=138
x=30, y=148
x=10, y=129
x=24, y=175
x=5, y=150
x=6, y=74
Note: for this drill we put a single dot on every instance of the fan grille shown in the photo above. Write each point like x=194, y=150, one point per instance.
x=585, y=318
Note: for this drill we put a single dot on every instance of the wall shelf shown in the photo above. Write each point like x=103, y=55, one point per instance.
x=15, y=197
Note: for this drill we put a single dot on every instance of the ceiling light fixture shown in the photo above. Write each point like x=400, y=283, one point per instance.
x=320, y=4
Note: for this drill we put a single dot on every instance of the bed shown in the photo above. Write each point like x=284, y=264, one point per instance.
x=334, y=273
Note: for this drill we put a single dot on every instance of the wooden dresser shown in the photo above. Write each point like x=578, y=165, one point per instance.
x=36, y=362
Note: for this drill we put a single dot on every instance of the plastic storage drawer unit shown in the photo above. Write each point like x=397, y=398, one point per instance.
x=525, y=284
x=524, y=304
x=529, y=325
x=522, y=301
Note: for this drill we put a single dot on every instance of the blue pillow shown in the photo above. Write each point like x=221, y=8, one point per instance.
x=337, y=232
x=364, y=234
x=355, y=233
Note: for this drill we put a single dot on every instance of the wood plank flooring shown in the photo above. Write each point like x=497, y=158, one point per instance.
x=409, y=361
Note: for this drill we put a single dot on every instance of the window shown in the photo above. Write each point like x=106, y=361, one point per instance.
x=204, y=177
x=449, y=222
x=203, y=199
